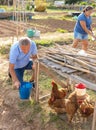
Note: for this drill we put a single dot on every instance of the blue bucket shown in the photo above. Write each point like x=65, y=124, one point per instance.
x=25, y=90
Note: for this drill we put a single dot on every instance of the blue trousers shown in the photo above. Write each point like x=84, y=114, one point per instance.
x=20, y=71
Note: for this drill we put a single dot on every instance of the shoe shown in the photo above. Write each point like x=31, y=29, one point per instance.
x=82, y=53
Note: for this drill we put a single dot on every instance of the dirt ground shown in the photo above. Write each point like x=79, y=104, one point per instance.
x=52, y=25
x=16, y=114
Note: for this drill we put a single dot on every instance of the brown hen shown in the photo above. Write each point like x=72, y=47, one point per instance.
x=86, y=109
x=57, y=93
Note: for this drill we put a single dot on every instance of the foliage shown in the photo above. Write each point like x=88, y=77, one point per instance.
x=83, y=3
x=5, y=49
x=44, y=42
x=94, y=15
x=93, y=4
x=29, y=7
x=6, y=7
x=62, y=30
x=71, y=1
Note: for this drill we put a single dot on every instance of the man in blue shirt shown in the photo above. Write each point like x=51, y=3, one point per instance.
x=83, y=28
x=19, y=60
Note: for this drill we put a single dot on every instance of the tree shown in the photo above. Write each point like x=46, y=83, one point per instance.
x=72, y=1
x=5, y=2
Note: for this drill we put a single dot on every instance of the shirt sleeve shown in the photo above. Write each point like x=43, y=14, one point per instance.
x=34, y=49
x=13, y=55
x=81, y=18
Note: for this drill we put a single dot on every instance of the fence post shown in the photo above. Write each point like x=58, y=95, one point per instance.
x=94, y=118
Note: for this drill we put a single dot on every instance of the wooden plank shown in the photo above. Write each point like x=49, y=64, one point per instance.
x=84, y=64
x=71, y=76
x=77, y=79
x=94, y=119
x=73, y=67
x=36, y=80
x=90, y=85
x=44, y=97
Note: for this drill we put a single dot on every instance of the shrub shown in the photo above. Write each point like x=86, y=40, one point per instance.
x=71, y=1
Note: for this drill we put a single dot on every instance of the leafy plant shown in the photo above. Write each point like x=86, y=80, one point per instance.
x=44, y=42
x=83, y=3
x=5, y=49
x=71, y=1
x=62, y=30
x=93, y=4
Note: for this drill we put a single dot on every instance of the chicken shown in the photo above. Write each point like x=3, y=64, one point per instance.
x=59, y=106
x=57, y=93
x=72, y=97
x=84, y=106
x=65, y=105
x=86, y=109
x=71, y=104
x=71, y=109
x=59, y=103
x=62, y=105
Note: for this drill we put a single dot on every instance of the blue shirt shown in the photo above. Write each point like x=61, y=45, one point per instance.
x=18, y=58
x=88, y=21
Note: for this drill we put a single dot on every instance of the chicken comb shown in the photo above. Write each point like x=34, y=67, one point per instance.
x=53, y=82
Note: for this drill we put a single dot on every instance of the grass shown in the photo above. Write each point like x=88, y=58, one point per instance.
x=92, y=94
x=44, y=82
x=62, y=16
x=7, y=8
x=4, y=49
x=30, y=109
x=62, y=30
x=23, y=105
x=53, y=117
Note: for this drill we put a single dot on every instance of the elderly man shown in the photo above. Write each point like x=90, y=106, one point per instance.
x=19, y=60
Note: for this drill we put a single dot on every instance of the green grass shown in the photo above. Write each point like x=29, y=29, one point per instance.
x=92, y=94
x=62, y=30
x=53, y=8
x=29, y=108
x=24, y=105
x=44, y=82
x=53, y=117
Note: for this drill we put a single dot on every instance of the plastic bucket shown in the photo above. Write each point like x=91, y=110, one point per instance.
x=30, y=32
x=37, y=33
x=25, y=90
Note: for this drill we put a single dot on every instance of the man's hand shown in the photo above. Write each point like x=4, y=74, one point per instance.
x=16, y=84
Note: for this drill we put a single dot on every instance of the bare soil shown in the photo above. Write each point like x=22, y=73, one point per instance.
x=52, y=25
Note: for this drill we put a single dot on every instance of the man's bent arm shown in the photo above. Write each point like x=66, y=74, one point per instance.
x=12, y=72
